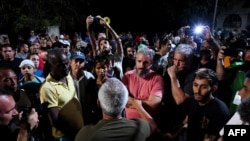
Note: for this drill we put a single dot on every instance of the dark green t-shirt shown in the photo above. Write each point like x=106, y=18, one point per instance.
x=115, y=130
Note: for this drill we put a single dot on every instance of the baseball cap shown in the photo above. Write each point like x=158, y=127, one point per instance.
x=77, y=55
x=26, y=62
x=64, y=42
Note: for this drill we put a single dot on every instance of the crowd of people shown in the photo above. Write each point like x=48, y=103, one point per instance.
x=110, y=86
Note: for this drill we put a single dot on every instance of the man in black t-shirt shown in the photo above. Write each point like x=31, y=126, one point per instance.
x=206, y=114
x=8, y=58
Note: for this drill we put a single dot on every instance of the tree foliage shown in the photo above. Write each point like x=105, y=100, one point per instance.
x=39, y=14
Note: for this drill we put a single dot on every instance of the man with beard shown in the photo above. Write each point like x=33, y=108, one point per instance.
x=241, y=95
x=104, y=47
x=59, y=94
x=232, y=78
x=11, y=128
x=8, y=82
x=143, y=84
x=206, y=114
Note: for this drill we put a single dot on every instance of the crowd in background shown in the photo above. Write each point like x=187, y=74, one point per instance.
x=105, y=85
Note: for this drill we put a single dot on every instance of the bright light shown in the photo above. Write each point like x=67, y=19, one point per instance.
x=198, y=29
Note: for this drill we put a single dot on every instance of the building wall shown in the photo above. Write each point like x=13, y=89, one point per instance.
x=244, y=14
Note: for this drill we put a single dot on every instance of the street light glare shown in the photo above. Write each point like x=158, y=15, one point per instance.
x=198, y=29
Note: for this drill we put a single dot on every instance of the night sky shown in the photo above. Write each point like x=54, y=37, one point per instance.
x=133, y=15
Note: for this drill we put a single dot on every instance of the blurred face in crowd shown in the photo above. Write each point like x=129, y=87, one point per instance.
x=104, y=45
x=35, y=47
x=157, y=44
x=8, y=53
x=166, y=47
x=204, y=45
x=100, y=69
x=66, y=49
x=25, y=48
x=43, y=54
x=143, y=64
x=7, y=109
x=43, y=42
x=179, y=62
x=60, y=66
x=35, y=59
x=247, y=55
x=76, y=64
x=49, y=43
x=8, y=80
x=27, y=70
x=130, y=52
x=244, y=92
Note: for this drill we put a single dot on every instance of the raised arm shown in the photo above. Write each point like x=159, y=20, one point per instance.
x=213, y=44
x=219, y=65
x=27, y=126
x=119, y=47
x=91, y=34
x=178, y=94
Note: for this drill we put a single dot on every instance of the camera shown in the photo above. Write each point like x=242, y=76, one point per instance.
x=32, y=91
x=96, y=20
x=235, y=48
x=230, y=52
x=96, y=27
x=26, y=109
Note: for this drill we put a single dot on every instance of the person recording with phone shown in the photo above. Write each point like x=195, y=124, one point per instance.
x=23, y=104
x=104, y=47
x=15, y=126
x=234, y=74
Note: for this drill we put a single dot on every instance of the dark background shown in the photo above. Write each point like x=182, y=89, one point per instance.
x=149, y=16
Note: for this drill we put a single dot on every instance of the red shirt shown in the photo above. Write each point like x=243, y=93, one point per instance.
x=41, y=63
x=142, y=88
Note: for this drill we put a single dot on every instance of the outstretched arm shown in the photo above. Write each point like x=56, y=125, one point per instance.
x=119, y=48
x=219, y=65
x=91, y=34
x=213, y=44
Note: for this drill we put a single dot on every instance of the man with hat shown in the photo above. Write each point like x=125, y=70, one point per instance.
x=85, y=88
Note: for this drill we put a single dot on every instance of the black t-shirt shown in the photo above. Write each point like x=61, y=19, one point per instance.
x=208, y=119
x=172, y=115
x=9, y=133
x=14, y=65
x=128, y=64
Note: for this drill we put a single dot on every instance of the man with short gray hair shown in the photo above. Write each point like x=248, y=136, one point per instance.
x=113, y=97
x=178, y=81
